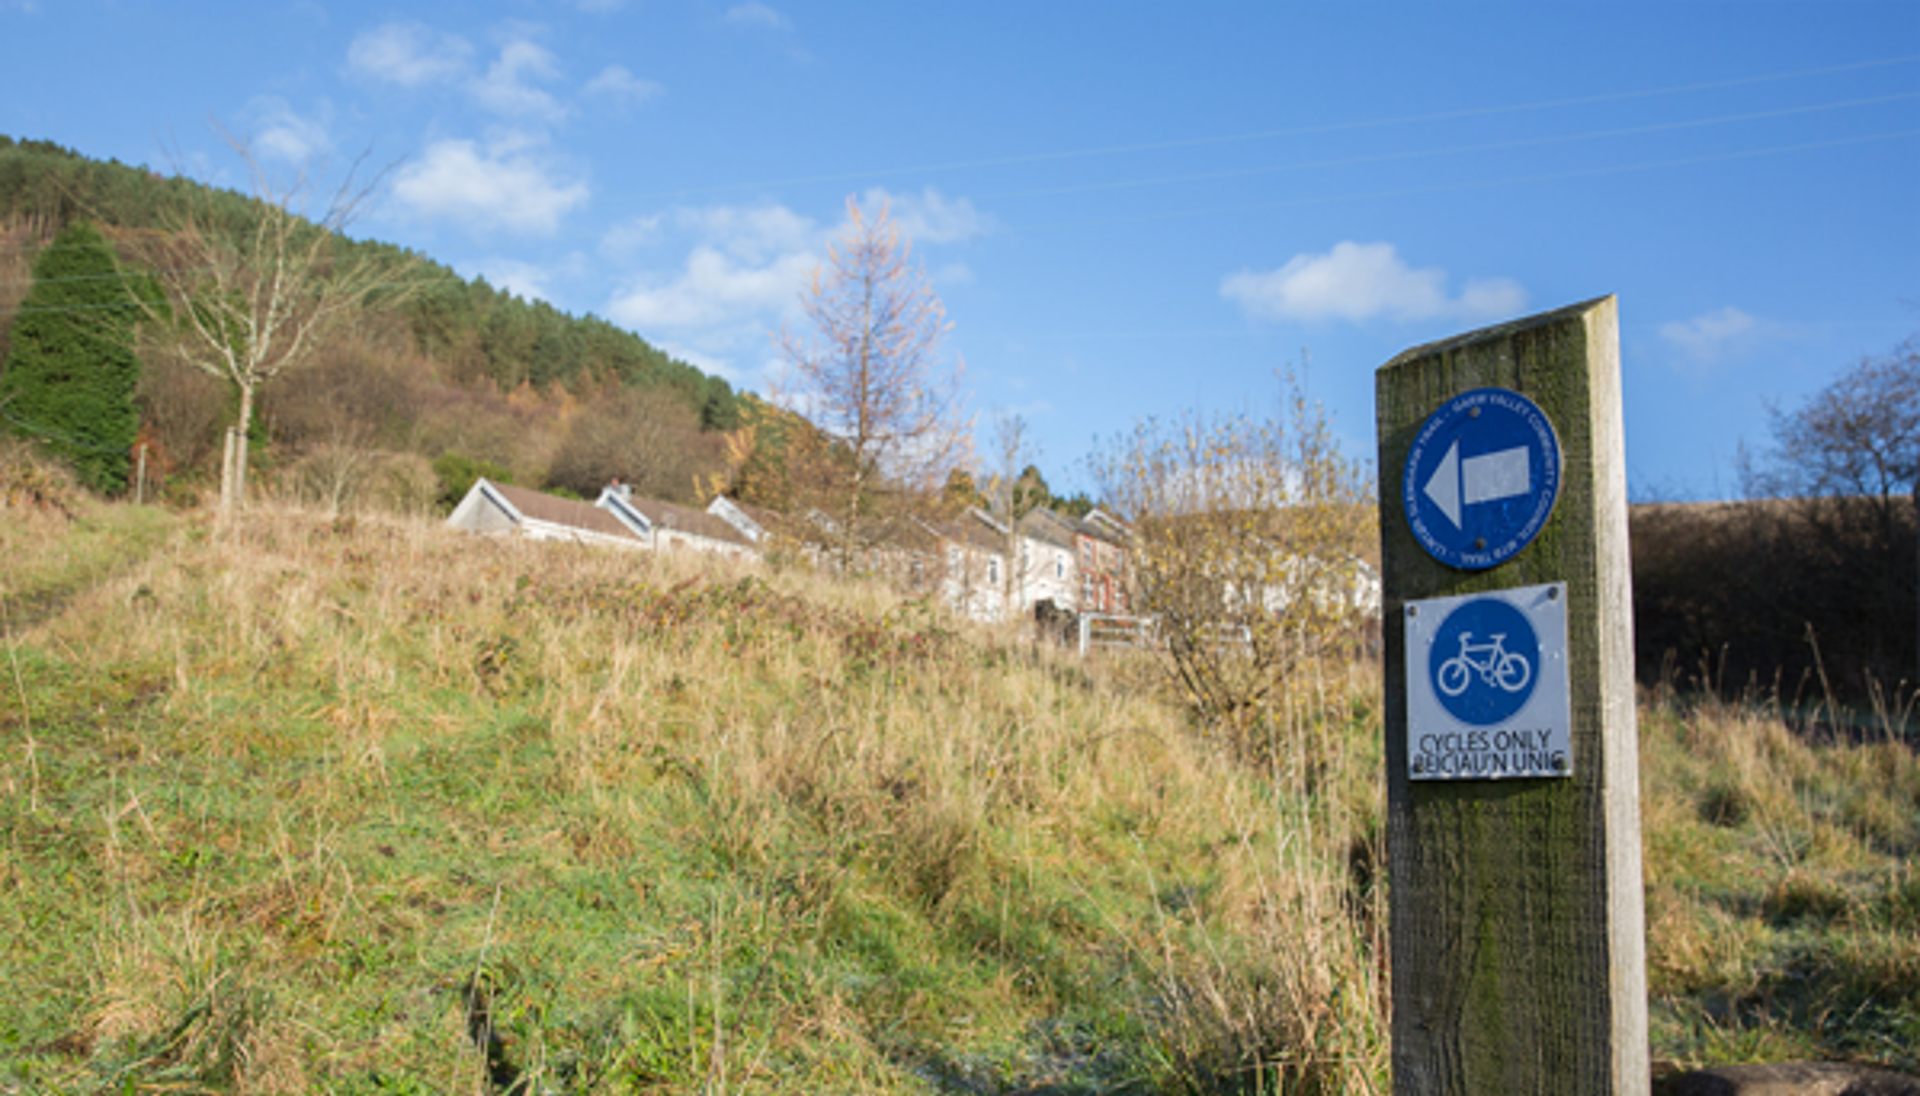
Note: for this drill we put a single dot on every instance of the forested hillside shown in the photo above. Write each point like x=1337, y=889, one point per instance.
x=460, y=374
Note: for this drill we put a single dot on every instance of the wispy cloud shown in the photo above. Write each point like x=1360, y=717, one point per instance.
x=1708, y=339
x=279, y=132
x=715, y=290
x=752, y=234
x=929, y=217
x=503, y=188
x=1359, y=282
x=410, y=54
x=526, y=279
x=414, y=55
x=620, y=87
x=754, y=15
x=773, y=27
x=743, y=271
x=744, y=268
x=508, y=88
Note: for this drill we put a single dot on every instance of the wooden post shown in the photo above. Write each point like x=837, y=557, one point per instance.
x=1518, y=920
x=140, y=480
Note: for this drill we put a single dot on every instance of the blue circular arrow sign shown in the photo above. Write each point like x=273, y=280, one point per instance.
x=1481, y=478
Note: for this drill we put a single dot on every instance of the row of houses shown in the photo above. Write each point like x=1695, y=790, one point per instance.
x=982, y=567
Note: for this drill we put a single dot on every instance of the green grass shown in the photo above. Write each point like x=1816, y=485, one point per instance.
x=366, y=807
x=1782, y=910
x=375, y=808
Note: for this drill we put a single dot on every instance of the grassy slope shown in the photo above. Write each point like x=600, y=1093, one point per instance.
x=380, y=809
x=372, y=808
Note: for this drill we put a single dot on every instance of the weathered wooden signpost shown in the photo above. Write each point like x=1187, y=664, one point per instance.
x=1518, y=927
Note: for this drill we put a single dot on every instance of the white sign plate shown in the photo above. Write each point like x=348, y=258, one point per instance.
x=1487, y=686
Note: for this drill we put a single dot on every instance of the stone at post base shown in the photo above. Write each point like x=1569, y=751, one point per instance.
x=1789, y=1079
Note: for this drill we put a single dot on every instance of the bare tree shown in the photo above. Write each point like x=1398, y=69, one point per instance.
x=1859, y=436
x=871, y=378
x=1011, y=453
x=250, y=298
x=1852, y=446
x=648, y=438
x=1247, y=540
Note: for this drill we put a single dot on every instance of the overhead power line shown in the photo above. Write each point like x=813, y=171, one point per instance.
x=1514, y=180
x=1293, y=131
x=1457, y=150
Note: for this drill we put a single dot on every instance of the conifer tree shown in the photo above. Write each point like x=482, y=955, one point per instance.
x=71, y=370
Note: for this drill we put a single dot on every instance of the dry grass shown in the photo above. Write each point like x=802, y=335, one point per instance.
x=1781, y=891
x=363, y=805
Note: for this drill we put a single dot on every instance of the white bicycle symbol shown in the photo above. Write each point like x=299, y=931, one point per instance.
x=1496, y=666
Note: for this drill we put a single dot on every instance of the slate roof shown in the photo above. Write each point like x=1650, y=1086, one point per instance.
x=698, y=522
x=972, y=532
x=559, y=511
x=1044, y=525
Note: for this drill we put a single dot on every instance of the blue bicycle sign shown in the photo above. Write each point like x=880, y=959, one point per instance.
x=1482, y=661
x=1486, y=683
x=1496, y=666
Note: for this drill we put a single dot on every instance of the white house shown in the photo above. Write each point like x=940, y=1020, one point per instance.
x=500, y=509
x=670, y=528
x=972, y=565
x=616, y=519
x=1047, y=568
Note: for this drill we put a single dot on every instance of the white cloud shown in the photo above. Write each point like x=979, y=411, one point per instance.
x=1358, y=282
x=706, y=363
x=716, y=290
x=929, y=217
x=493, y=189
x=1708, y=338
x=506, y=88
x=623, y=240
x=409, y=54
x=281, y=133
x=757, y=16
x=754, y=234
x=744, y=270
x=952, y=274
x=750, y=234
x=514, y=276
x=621, y=87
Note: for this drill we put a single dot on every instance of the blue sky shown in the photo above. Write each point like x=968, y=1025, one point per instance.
x=1129, y=209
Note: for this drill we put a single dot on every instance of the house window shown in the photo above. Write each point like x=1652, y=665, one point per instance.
x=1059, y=568
x=993, y=571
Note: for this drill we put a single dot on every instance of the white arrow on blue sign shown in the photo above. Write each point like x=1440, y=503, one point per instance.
x=1481, y=478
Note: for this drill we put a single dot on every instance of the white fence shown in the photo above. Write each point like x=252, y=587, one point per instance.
x=1114, y=630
